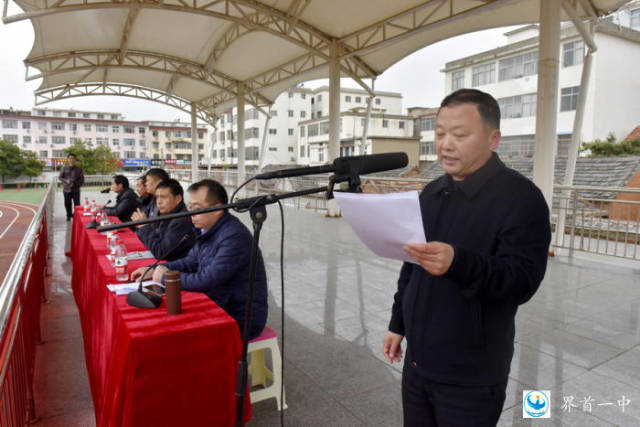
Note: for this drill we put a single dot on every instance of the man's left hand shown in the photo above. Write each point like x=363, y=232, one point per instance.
x=435, y=257
x=158, y=273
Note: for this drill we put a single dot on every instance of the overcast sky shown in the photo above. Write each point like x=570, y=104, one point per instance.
x=417, y=77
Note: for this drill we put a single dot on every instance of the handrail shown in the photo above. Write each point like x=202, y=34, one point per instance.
x=11, y=282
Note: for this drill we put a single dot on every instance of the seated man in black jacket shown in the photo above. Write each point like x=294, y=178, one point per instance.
x=161, y=237
x=126, y=201
x=145, y=199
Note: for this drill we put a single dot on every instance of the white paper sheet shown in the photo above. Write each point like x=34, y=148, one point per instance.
x=384, y=222
x=125, y=288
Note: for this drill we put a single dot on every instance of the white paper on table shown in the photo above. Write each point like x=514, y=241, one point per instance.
x=126, y=288
x=384, y=222
x=134, y=255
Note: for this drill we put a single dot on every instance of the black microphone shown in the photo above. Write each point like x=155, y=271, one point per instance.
x=105, y=191
x=142, y=299
x=348, y=165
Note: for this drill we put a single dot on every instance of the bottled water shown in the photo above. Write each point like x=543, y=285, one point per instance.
x=93, y=207
x=85, y=205
x=120, y=262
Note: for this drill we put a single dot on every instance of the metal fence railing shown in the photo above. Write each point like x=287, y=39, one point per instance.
x=21, y=295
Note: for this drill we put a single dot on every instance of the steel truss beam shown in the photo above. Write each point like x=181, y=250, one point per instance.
x=132, y=91
x=92, y=60
x=250, y=14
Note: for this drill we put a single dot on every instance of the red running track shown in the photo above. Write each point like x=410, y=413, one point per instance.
x=14, y=220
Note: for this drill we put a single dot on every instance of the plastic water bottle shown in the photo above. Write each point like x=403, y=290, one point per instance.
x=120, y=262
x=85, y=205
x=93, y=207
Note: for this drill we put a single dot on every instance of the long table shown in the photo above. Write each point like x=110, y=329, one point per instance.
x=147, y=368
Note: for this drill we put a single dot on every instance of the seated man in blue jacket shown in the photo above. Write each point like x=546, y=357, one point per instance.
x=218, y=264
x=161, y=237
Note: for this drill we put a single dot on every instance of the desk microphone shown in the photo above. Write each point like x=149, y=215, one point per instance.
x=105, y=191
x=94, y=223
x=142, y=299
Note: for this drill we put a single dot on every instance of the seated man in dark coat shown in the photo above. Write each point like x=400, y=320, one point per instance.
x=218, y=264
x=126, y=201
x=161, y=237
x=145, y=199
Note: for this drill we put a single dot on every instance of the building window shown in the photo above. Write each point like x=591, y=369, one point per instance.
x=73, y=126
x=400, y=124
x=302, y=130
x=273, y=148
x=101, y=128
x=517, y=145
x=26, y=125
x=303, y=95
x=221, y=152
x=358, y=99
x=484, y=74
x=128, y=142
x=457, y=80
x=86, y=115
x=74, y=140
x=290, y=113
x=115, y=141
x=323, y=128
x=302, y=150
x=427, y=148
x=273, y=113
x=347, y=98
x=252, y=153
x=319, y=114
x=102, y=141
x=321, y=155
x=313, y=129
x=635, y=19
x=87, y=128
x=252, y=133
x=57, y=125
x=200, y=135
x=518, y=66
x=42, y=113
x=10, y=138
x=303, y=114
x=427, y=123
x=57, y=153
x=141, y=142
x=26, y=139
x=10, y=124
x=378, y=101
x=100, y=116
x=290, y=94
x=42, y=140
x=514, y=107
x=71, y=114
x=44, y=153
x=385, y=123
x=290, y=149
x=58, y=139
x=114, y=117
x=57, y=114
x=572, y=53
x=273, y=131
x=129, y=154
x=129, y=129
x=319, y=98
x=290, y=131
x=141, y=130
x=569, y=98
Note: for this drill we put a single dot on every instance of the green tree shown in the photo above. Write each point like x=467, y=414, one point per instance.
x=100, y=160
x=15, y=162
x=610, y=148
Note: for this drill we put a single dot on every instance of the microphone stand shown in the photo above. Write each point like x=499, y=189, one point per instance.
x=256, y=207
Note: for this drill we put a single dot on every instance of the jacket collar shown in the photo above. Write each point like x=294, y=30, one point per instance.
x=210, y=232
x=472, y=184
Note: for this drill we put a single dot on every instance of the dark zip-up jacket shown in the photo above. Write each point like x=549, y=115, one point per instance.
x=162, y=236
x=145, y=203
x=218, y=265
x=460, y=326
x=75, y=175
x=126, y=204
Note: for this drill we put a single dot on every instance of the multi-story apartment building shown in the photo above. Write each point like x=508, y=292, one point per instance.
x=299, y=109
x=170, y=143
x=425, y=123
x=509, y=73
x=47, y=132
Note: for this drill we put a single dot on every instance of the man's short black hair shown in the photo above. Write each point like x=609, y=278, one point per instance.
x=72, y=155
x=486, y=104
x=142, y=178
x=157, y=173
x=215, y=191
x=174, y=187
x=121, y=180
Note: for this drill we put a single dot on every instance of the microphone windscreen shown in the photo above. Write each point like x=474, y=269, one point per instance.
x=105, y=191
x=362, y=165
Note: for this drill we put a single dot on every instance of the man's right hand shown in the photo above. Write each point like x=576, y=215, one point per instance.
x=391, y=347
x=137, y=215
x=135, y=276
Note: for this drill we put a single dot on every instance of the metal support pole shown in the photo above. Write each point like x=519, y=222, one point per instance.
x=547, y=102
x=263, y=148
x=334, y=102
x=194, y=144
x=211, y=147
x=240, y=136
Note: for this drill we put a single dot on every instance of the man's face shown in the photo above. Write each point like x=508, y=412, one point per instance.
x=71, y=160
x=150, y=183
x=198, y=200
x=463, y=142
x=141, y=189
x=116, y=188
x=166, y=201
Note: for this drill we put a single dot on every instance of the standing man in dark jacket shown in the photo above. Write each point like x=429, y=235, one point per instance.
x=72, y=179
x=218, y=264
x=162, y=236
x=145, y=199
x=126, y=201
x=489, y=235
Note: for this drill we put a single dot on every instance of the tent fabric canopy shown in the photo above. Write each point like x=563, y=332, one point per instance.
x=202, y=52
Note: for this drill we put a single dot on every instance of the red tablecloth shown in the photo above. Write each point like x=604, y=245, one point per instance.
x=147, y=368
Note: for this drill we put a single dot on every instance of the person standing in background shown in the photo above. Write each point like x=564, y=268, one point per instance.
x=72, y=179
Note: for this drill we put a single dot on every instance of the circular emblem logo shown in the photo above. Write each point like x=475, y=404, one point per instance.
x=536, y=403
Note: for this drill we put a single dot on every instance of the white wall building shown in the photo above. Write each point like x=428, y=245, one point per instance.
x=171, y=142
x=47, y=132
x=509, y=73
x=299, y=104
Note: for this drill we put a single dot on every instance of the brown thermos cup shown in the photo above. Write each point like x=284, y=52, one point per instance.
x=174, y=297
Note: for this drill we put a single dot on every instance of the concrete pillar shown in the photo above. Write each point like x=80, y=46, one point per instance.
x=334, y=103
x=240, y=135
x=194, y=144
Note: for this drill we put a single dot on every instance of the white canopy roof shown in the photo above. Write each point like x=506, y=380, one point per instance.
x=182, y=52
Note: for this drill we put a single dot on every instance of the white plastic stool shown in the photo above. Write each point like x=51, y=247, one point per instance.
x=258, y=370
